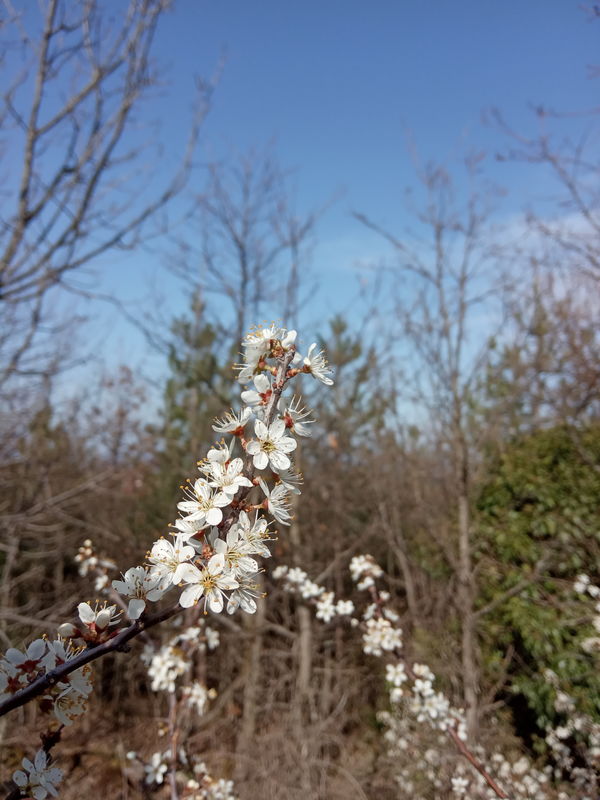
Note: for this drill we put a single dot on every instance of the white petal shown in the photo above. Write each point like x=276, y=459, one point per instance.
x=155, y=594
x=214, y=516
x=86, y=615
x=103, y=618
x=233, y=604
x=228, y=581
x=188, y=505
x=261, y=460
x=162, y=549
x=14, y=656
x=202, y=488
x=262, y=383
x=221, y=499
x=248, y=604
x=190, y=596
x=247, y=564
x=186, y=552
x=250, y=397
x=216, y=564
x=175, y=577
x=188, y=527
x=220, y=546
x=232, y=536
x=189, y=573
x=287, y=444
x=260, y=429
x=235, y=467
x=215, y=601
x=136, y=606
x=20, y=778
x=279, y=460
x=54, y=775
x=277, y=429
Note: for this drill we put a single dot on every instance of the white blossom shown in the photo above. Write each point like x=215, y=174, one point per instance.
x=204, y=505
x=316, y=365
x=244, y=596
x=197, y=696
x=157, y=767
x=278, y=502
x=209, y=582
x=259, y=396
x=344, y=608
x=168, y=560
x=69, y=704
x=233, y=423
x=228, y=478
x=254, y=534
x=259, y=343
x=140, y=585
x=165, y=666
x=235, y=551
x=325, y=607
x=98, y=617
x=38, y=778
x=380, y=635
x=271, y=446
x=295, y=416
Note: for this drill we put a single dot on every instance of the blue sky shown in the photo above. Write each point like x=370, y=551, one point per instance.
x=339, y=87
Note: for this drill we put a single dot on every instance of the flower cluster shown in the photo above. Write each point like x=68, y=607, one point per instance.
x=173, y=660
x=197, y=781
x=94, y=623
x=220, y=531
x=410, y=685
x=210, y=556
x=424, y=764
x=38, y=778
x=296, y=580
x=65, y=699
x=364, y=571
x=90, y=562
x=422, y=727
x=584, y=586
x=575, y=743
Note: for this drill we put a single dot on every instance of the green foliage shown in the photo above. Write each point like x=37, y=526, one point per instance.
x=539, y=527
x=198, y=390
x=356, y=406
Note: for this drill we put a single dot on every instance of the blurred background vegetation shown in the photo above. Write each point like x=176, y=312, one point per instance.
x=460, y=445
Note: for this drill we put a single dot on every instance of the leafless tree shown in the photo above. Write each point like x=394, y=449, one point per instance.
x=442, y=279
x=254, y=246
x=77, y=180
x=564, y=150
